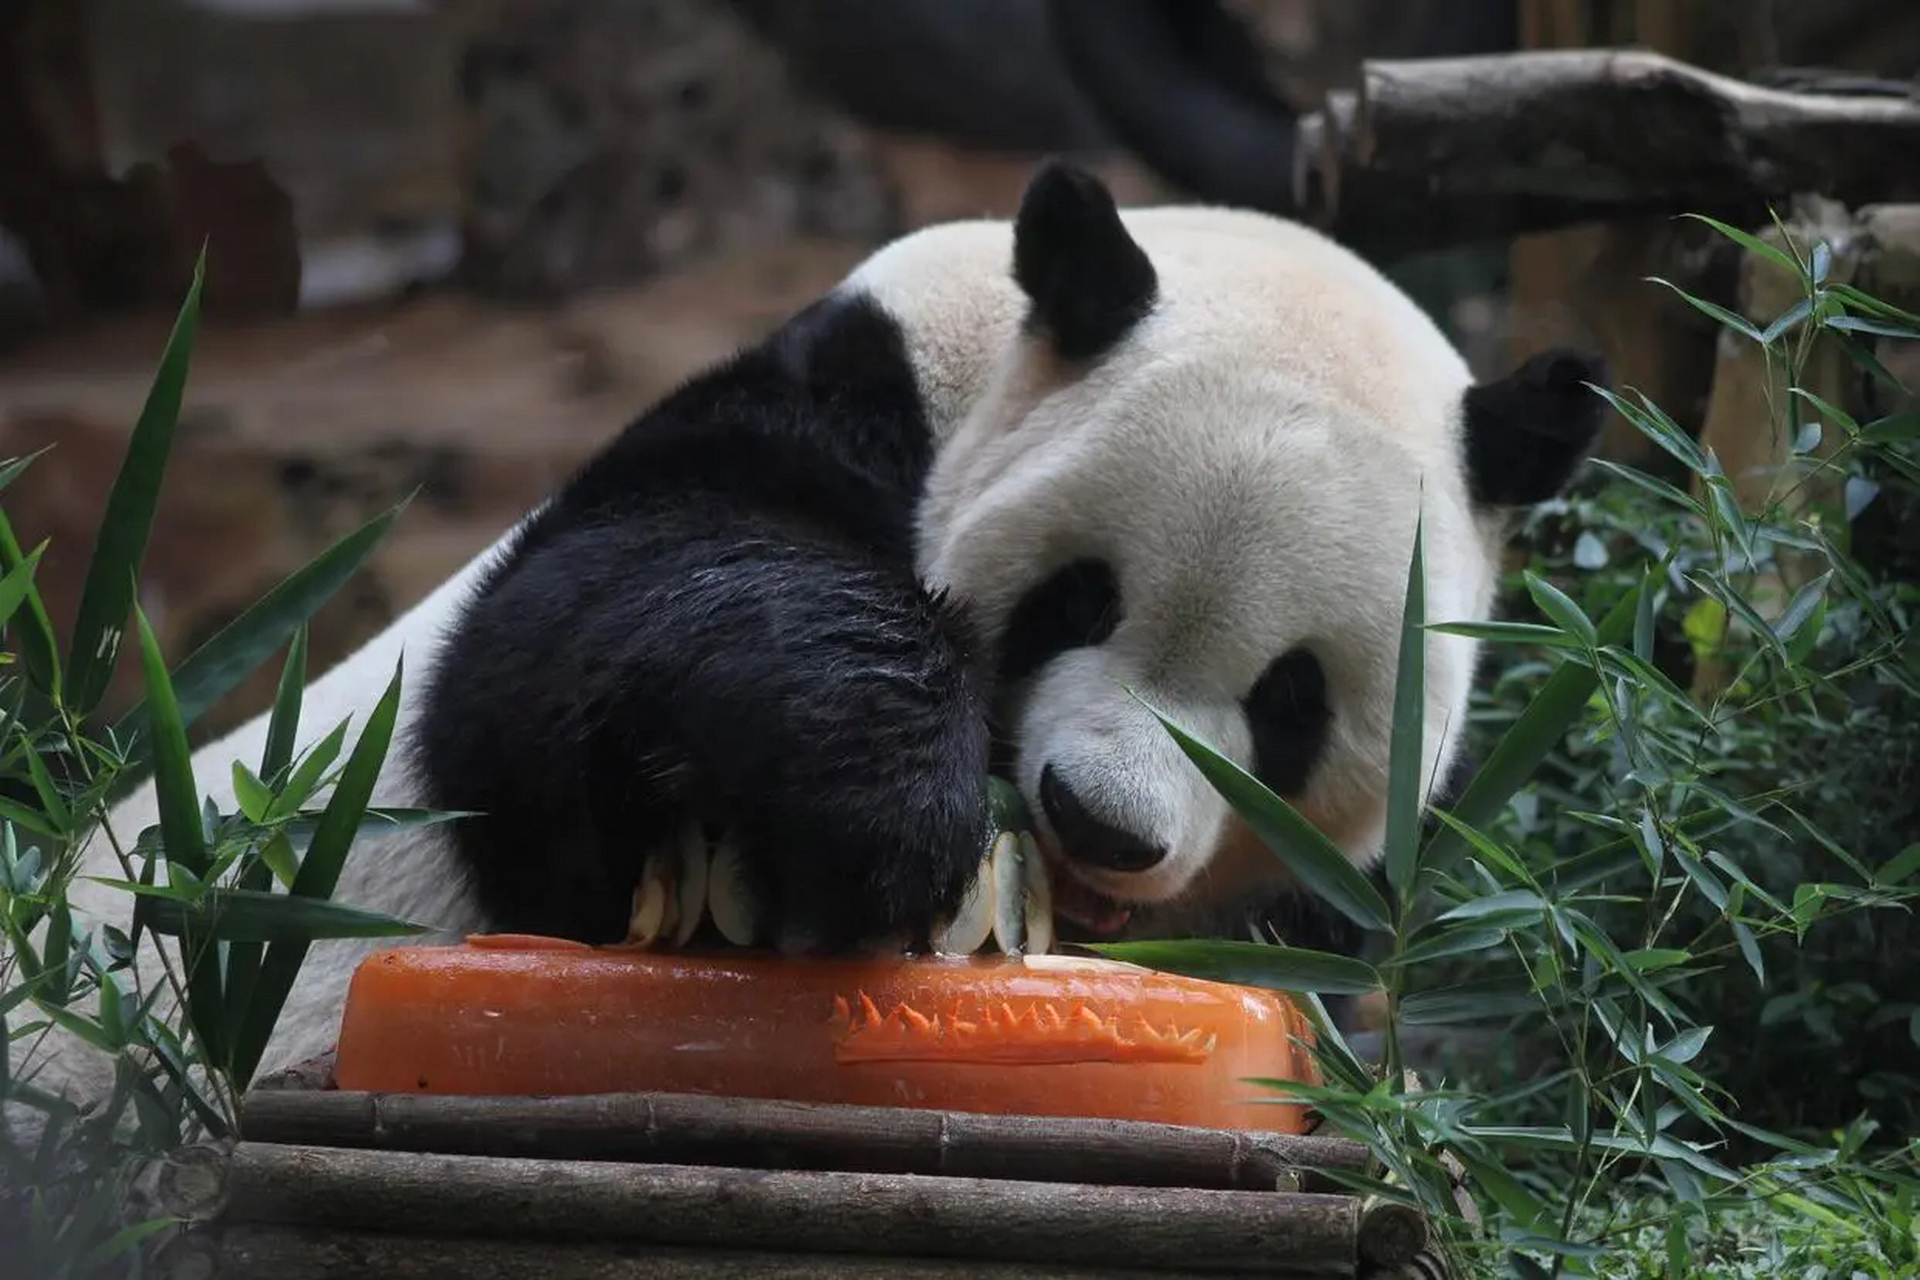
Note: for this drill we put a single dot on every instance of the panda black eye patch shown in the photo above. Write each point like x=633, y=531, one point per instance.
x=1288, y=712
x=1076, y=607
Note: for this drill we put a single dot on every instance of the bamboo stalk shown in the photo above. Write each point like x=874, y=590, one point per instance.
x=756, y=1133
x=899, y=1215
x=295, y=1253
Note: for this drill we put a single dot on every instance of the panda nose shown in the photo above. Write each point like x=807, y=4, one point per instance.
x=1085, y=837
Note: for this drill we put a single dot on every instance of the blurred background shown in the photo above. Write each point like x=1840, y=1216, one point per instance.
x=455, y=244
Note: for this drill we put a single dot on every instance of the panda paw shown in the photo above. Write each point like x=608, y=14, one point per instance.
x=699, y=884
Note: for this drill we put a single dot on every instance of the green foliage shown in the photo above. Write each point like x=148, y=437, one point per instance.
x=1679, y=885
x=223, y=905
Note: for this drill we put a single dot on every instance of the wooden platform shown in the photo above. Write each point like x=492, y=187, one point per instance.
x=327, y=1183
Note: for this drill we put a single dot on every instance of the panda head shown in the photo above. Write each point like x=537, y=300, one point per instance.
x=1187, y=481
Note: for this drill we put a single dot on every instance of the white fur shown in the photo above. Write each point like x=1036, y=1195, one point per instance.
x=1251, y=462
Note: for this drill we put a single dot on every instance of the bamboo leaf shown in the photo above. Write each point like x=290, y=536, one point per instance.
x=246, y=915
x=1408, y=742
x=1251, y=964
x=37, y=823
x=1468, y=1002
x=1803, y=606
x=181, y=830
x=1653, y=422
x=1738, y=324
x=250, y=793
x=1895, y=428
x=52, y=802
x=1510, y=904
x=1556, y=604
x=319, y=874
x=1878, y=328
x=1753, y=244
x=1833, y=412
x=1444, y=944
x=1792, y=316
x=80, y=1025
x=283, y=726
x=1510, y=633
x=34, y=635
x=59, y=976
x=1533, y=736
x=16, y=466
x=1876, y=306
x=308, y=773
x=121, y=545
x=1900, y=868
x=17, y=583
x=1301, y=846
x=1652, y=484
x=220, y=665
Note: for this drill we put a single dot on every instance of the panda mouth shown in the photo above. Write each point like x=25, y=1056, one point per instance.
x=1093, y=913
x=1076, y=903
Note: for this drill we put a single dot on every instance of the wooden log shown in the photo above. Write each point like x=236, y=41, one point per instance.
x=1391, y=1235
x=1205, y=1232
x=754, y=1133
x=1439, y=151
x=297, y=1253
x=310, y=1073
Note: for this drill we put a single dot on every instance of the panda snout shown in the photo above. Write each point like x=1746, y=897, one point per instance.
x=1085, y=838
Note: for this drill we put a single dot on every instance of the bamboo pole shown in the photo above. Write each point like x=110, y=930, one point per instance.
x=756, y=1133
x=892, y=1215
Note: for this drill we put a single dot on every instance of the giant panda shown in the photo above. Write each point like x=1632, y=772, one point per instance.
x=1012, y=482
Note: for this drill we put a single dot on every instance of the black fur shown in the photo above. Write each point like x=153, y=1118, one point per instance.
x=1289, y=717
x=719, y=617
x=1075, y=607
x=1527, y=433
x=1088, y=281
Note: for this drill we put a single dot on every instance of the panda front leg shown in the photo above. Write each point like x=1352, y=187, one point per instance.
x=691, y=662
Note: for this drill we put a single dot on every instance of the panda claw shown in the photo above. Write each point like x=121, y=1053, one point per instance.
x=692, y=897
x=728, y=900
x=972, y=924
x=654, y=902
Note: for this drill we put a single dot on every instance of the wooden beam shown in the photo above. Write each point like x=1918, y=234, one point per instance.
x=475, y=1197
x=1487, y=147
x=747, y=1132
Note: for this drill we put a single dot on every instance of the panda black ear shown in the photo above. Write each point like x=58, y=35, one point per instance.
x=1528, y=432
x=1088, y=281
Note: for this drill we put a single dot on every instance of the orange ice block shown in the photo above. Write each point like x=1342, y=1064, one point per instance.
x=1043, y=1036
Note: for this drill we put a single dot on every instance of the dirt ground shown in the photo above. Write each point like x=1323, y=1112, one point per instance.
x=296, y=431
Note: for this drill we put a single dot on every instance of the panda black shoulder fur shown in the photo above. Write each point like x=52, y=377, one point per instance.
x=1008, y=481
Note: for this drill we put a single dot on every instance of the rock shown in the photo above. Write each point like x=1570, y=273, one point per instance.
x=617, y=138
x=348, y=109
